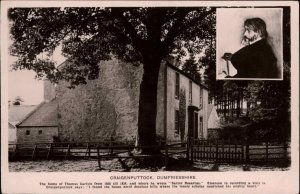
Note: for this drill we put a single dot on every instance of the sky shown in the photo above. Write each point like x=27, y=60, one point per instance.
x=23, y=83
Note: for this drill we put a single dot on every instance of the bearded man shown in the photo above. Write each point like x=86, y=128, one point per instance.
x=256, y=59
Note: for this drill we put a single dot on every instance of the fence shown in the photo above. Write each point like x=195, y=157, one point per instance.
x=96, y=150
x=61, y=150
x=217, y=151
x=196, y=150
x=267, y=153
x=237, y=152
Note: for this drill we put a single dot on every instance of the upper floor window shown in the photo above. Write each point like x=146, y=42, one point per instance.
x=177, y=86
x=190, y=92
x=27, y=132
x=40, y=132
x=201, y=98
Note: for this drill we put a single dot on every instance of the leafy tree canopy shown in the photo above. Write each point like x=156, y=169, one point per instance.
x=89, y=35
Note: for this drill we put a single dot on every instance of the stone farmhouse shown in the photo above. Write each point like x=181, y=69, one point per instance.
x=106, y=109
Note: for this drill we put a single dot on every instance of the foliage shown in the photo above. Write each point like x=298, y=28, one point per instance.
x=88, y=35
x=192, y=68
x=268, y=115
x=270, y=109
x=182, y=112
x=233, y=132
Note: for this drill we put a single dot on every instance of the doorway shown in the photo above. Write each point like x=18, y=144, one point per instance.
x=193, y=122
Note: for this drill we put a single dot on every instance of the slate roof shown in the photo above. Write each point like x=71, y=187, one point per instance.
x=17, y=113
x=44, y=115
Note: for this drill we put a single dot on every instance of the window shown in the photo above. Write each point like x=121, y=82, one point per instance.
x=177, y=122
x=40, y=132
x=201, y=98
x=27, y=132
x=177, y=86
x=201, y=127
x=190, y=92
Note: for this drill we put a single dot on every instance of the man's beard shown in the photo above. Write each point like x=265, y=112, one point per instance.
x=251, y=39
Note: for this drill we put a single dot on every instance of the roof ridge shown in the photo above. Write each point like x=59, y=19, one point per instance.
x=185, y=74
x=30, y=113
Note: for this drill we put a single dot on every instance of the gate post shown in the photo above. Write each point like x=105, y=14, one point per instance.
x=49, y=151
x=192, y=150
x=166, y=155
x=34, y=152
x=98, y=157
x=89, y=150
x=285, y=146
x=16, y=152
x=267, y=151
x=187, y=149
x=247, y=152
x=217, y=151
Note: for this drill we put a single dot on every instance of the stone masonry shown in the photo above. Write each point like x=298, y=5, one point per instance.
x=104, y=109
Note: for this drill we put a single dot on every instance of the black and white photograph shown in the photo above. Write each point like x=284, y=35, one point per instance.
x=249, y=43
x=153, y=95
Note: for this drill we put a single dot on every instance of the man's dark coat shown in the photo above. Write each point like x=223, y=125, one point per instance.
x=255, y=61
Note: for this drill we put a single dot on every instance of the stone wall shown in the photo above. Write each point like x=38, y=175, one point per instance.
x=160, y=117
x=103, y=109
x=172, y=104
x=49, y=90
x=34, y=136
x=12, y=134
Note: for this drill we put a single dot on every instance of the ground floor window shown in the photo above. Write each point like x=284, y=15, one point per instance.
x=201, y=126
x=176, y=122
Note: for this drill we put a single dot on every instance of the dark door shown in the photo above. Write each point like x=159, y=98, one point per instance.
x=193, y=124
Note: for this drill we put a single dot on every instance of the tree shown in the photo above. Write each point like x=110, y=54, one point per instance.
x=270, y=106
x=88, y=35
x=192, y=68
x=18, y=100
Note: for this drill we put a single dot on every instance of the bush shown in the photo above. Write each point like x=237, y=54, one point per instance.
x=233, y=132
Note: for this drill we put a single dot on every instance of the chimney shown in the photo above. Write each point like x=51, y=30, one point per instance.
x=49, y=90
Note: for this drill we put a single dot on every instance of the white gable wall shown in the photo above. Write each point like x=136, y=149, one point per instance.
x=173, y=104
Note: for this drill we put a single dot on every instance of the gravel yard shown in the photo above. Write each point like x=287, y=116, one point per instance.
x=115, y=166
